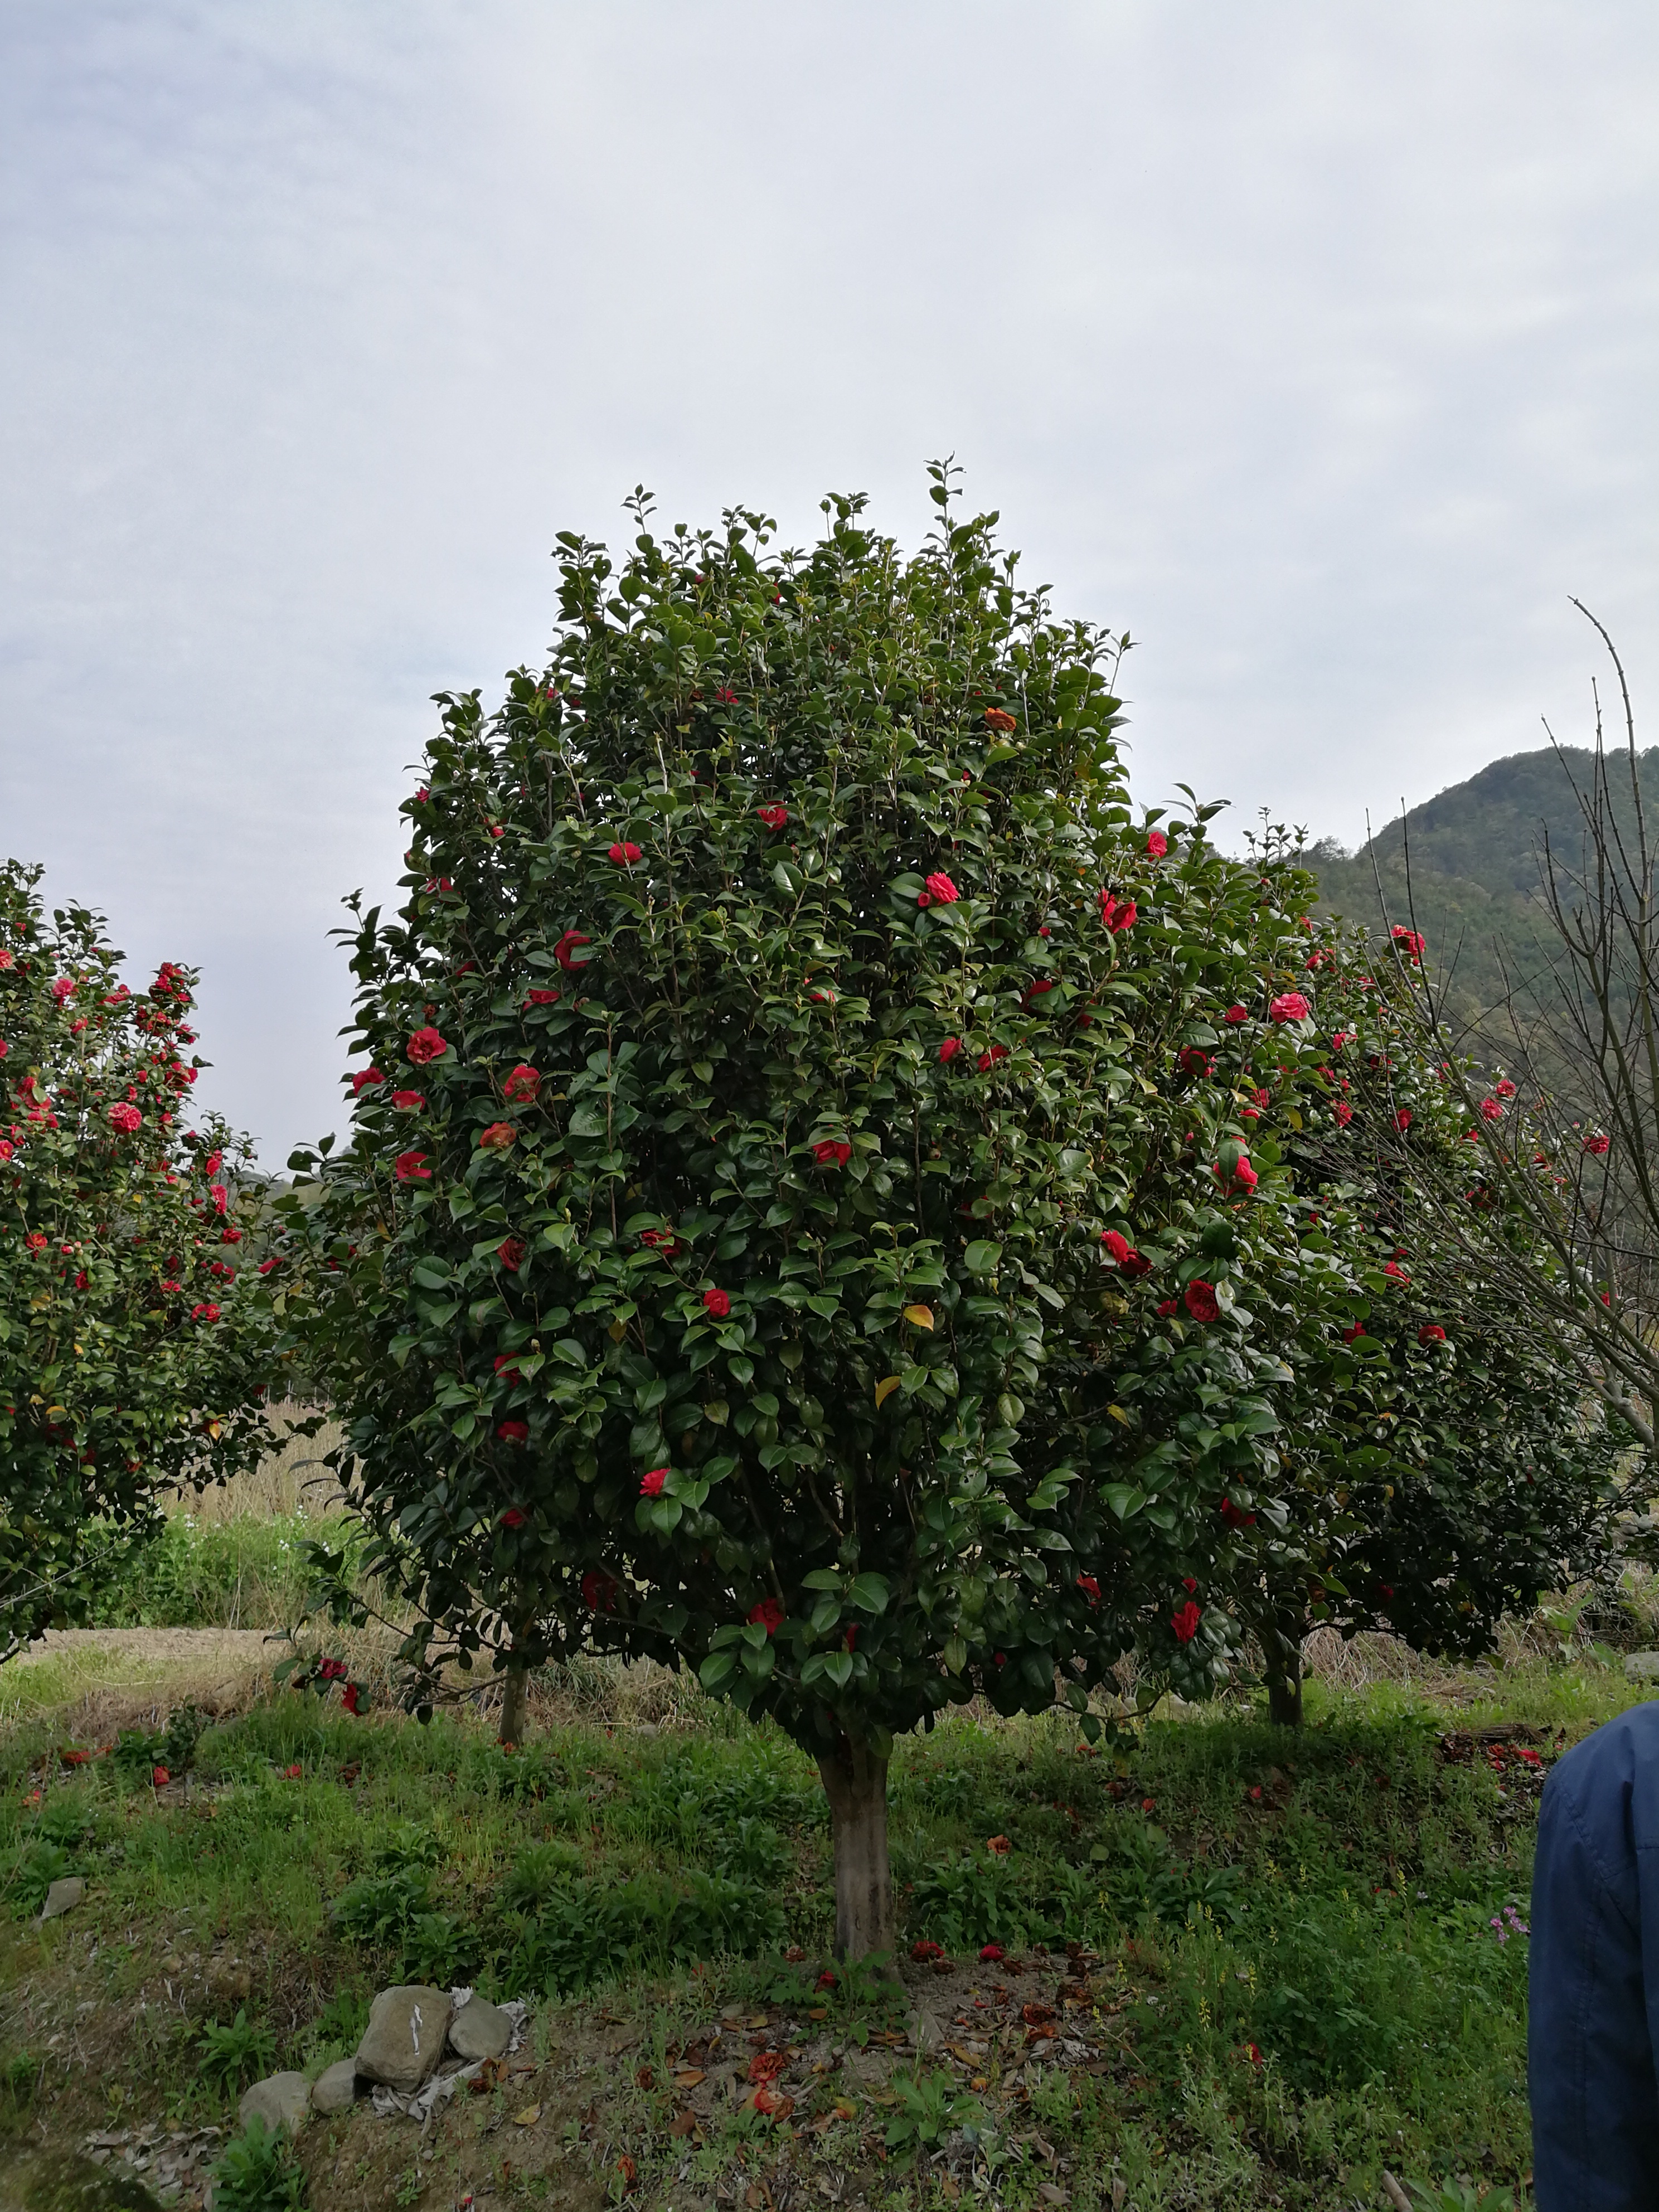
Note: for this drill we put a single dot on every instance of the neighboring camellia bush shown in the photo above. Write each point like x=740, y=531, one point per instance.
x=133, y=1351
x=788, y=1225
x=1446, y=1469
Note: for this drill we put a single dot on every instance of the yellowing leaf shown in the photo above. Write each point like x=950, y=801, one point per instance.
x=1118, y=1414
x=919, y=1317
x=528, y=2118
x=617, y=1330
x=884, y=1389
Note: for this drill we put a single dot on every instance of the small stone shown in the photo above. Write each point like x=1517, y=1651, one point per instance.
x=281, y=2101
x=479, y=2031
x=1639, y=1667
x=405, y=2036
x=63, y=1896
x=335, y=2089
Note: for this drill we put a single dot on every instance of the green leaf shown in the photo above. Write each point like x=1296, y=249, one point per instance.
x=981, y=1257
x=870, y=1593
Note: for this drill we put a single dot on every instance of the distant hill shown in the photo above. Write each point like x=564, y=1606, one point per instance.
x=1476, y=860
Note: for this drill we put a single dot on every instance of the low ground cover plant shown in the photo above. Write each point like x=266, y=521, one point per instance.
x=1302, y=1952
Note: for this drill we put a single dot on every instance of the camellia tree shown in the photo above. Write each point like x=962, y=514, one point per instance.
x=787, y=1227
x=1445, y=1465
x=134, y=1354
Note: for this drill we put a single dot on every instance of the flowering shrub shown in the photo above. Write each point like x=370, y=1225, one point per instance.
x=133, y=1351
x=862, y=1196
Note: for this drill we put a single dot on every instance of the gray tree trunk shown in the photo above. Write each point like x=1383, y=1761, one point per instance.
x=856, y=1781
x=511, y=1727
x=1284, y=1688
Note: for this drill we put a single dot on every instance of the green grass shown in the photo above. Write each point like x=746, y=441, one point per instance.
x=1298, y=1988
x=247, y=1573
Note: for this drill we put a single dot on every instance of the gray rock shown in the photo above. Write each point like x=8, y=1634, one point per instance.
x=63, y=1896
x=479, y=2031
x=1639, y=1667
x=335, y=2089
x=281, y=2101
x=405, y=2036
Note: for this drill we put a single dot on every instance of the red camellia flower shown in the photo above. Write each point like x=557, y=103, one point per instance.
x=265, y=1266
x=987, y=1060
x=991, y=1953
x=924, y=1951
x=942, y=890
x=1288, y=1006
x=1399, y=1274
x=1234, y=1516
x=772, y=817
x=1167, y=1308
x=1402, y=1120
x=1432, y=1333
x=565, y=950
x=524, y=1083
x=159, y=1777
x=407, y=1101
x=1341, y=1038
x=515, y=1516
x=541, y=999
x=997, y=718
x=1192, y=1061
x=508, y=1364
x=769, y=1614
x=1504, y=1088
x=125, y=1119
x=1245, y=1176
x=1115, y=917
x=1201, y=1302
x=829, y=1154
x=1407, y=942
x=1156, y=844
x=1342, y=1113
x=498, y=1137
x=62, y=988
x=352, y=1698
x=1185, y=1623
x=411, y=1167
x=1090, y=1588
x=1352, y=1335
x=364, y=1077
x=513, y=1432
x=623, y=856
x=1492, y=1110
x=651, y=1481
x=599, y=1591
x=1189, y=1583
x=426, y=1045
x=510, y=1253
x=1597, y=1145
x=949, y=1049
x=204, y=1313
x=717, y=1303
x=1236, y=1015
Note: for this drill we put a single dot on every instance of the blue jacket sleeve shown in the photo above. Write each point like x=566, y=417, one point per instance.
x=1593, y=2025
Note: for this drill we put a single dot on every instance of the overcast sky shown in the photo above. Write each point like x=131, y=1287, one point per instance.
x=1317, y=346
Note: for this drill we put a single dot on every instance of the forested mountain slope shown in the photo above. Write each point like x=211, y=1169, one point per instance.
x=1476, y=852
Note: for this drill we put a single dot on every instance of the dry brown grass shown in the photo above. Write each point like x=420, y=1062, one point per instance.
x=291, y=1479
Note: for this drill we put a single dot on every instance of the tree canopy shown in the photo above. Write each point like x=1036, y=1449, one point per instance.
x=134, y=1354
